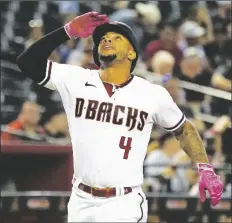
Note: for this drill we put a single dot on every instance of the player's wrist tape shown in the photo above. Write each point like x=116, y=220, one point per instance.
x=204, y=166
x=72, y=34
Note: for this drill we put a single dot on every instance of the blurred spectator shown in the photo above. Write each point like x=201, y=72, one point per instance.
x=15, y=87
x=162, y=174
x=192, y=33
x=202, y=16
x=219, y=128
x=218, y=50
x=108, y=9
x=181, y=180
x=83, y=54
x=167, y=41
x=158, y=160
x=141, y=19
x=26, y=124
x=68, y=7
x=193, y=71
x=220, y=135
x=221, y=79
x=178, y=97
x=162, y=63
x=57, y=127
x=224, y=10
x=65, y=49
x=120, y=4
x=229, y=30
x=35, y=32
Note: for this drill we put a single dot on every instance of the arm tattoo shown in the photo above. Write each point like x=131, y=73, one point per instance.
x=191, y=142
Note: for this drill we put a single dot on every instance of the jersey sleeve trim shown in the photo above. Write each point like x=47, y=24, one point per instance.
x=48, y=74
x=175, y=127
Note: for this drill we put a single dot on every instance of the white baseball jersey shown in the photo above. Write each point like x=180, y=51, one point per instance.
x=110, y=134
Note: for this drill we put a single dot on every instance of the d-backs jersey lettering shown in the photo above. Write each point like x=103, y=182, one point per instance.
x=110, y=134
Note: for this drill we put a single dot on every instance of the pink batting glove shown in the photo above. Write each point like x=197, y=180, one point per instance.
x=211, y=182
x=84, y=25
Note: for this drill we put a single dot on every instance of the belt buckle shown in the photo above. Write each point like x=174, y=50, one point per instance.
x=108, y=189
x=94, y=189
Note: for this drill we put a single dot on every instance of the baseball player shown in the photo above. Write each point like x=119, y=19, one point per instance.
x=110, y=114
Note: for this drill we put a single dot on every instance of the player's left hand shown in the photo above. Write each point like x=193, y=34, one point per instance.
x=211, y=182
x=84, y=25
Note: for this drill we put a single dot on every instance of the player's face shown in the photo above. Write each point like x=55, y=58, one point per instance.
x=116, y=44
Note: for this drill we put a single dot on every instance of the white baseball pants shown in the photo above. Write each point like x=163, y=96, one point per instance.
x=83, y=207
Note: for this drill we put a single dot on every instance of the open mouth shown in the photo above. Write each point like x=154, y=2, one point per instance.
x=107, y=47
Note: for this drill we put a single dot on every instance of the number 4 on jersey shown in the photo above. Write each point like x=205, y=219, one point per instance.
x=125, y=144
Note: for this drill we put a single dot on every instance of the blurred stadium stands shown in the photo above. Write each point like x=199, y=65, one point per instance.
x=37, y=194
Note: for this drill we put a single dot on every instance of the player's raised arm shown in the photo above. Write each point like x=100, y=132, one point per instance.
x=33, y=61
x=171, y=118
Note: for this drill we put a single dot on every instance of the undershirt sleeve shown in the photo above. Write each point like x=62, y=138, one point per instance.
x=33, y=61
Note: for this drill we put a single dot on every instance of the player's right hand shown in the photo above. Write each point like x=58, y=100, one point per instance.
x=211, y=182
x=84, y=25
